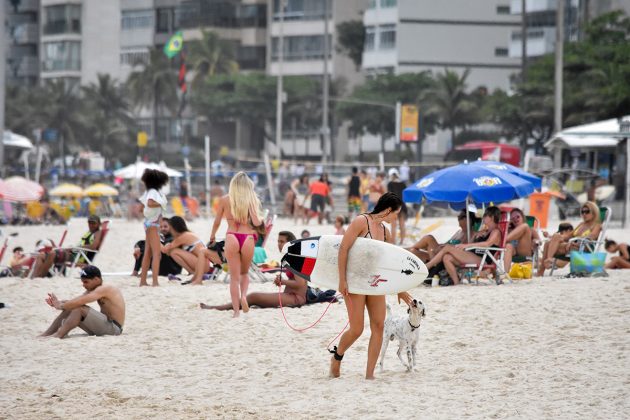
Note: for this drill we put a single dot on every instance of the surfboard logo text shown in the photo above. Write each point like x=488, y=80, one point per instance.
x=376, y=280
x=413, y=263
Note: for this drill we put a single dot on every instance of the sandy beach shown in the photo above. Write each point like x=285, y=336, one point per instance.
x=548, y=348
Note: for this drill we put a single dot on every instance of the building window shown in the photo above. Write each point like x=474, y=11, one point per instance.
x=501, y=52
x=253, y=16
x=503, y=10
x=387, y=37
x=303, y=9
x=298, y=48
x=62, y=19
x=132, y=58
x=251, y=58
x=370, y=38
x=165, y=20
x=136, y=19
x=62, y=55
x=388, y=3
x=372, y=4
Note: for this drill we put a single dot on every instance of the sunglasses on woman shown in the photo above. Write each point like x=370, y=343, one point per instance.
x=585, y=211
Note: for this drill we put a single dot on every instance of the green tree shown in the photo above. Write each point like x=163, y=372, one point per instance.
x=450, y=102
x=109, y=119
x=154, y=84
x=351, y=40
x=371, y=106
x=210, y=56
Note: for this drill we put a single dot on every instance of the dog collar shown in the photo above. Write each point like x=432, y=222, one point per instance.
x=413, y=327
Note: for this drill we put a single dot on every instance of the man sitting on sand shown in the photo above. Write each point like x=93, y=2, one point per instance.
x=76, y=313
x=91, y=240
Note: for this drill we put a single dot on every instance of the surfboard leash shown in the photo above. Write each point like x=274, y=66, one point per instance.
x=332, y=300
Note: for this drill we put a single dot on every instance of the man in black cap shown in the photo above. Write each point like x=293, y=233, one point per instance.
x=76, y=313
x=90, y=240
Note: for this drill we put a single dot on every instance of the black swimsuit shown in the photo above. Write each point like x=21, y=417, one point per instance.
x=483, y=238
x=370, y=233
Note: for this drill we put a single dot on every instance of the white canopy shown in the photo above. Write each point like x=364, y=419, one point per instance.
x=11, y=139
x=135, y=170
x=598, y=135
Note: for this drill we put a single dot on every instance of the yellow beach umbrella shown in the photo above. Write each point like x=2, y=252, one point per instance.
x=66, y=190
x=100, y=190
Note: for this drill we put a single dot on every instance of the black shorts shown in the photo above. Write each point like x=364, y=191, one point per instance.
x=318, y=202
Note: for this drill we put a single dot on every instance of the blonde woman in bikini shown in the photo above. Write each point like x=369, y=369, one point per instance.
x=558, y=244
x=241, y=209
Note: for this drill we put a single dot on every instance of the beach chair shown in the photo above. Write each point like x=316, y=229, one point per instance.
x=255, y=271
x=492, y=258
x=82, y=253
x=585, y=244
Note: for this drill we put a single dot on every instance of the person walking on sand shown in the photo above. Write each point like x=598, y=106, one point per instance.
x=241, y=208
x=154, y=204
x=76, y=313
x=371, y=226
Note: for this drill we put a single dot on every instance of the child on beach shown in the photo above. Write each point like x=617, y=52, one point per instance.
x=339, y=230
x=154, y=204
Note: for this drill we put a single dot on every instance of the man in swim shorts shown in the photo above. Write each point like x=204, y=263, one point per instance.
x=76, y=313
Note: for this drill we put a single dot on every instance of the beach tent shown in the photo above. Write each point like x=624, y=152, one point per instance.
x=598, y=135
x=135, y=170
x=10, y=139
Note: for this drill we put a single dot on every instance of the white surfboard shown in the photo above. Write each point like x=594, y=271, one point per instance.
x=374, y=267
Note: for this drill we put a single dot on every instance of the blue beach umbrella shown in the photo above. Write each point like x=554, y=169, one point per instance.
x=469, y=183
x=500, y=166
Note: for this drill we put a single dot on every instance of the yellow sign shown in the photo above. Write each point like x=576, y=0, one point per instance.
x=224, y=151
x=409, y=123
x=143, y=137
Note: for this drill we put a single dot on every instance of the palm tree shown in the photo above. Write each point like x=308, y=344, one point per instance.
x=450, y=102
x=154, y=85
x=62, y=109
x=211, y=55
x=108, y=113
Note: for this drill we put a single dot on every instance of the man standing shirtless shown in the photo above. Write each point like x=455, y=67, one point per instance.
x=76, y=313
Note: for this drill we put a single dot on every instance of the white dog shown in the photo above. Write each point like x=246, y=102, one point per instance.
x=405, y=329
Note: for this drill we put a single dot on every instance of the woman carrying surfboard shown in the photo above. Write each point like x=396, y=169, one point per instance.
x=368, y=225
x=241, y=208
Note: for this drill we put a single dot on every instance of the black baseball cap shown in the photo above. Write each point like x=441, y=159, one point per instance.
x=94, y=218
x=90, y=271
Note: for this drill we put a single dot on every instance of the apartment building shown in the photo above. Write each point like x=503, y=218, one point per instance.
x=79, y=39
x=23, y=42
x=414, y=35
x=303, y=29
x=541, y=22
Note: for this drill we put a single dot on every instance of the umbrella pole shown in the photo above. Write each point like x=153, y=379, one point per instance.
x=467, y=222
x=207, y=164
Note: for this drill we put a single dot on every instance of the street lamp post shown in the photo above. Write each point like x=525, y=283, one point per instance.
x=3, y=63
x=279, y=85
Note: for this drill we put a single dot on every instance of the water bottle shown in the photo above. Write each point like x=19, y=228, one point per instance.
x=435, y=282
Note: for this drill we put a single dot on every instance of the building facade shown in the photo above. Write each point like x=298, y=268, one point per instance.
x=79, y=40
x=23, y=42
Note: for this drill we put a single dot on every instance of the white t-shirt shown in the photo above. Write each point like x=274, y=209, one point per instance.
x=152, y=214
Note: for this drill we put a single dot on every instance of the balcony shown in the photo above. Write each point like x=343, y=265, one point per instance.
x=26, y=33
x=25, y=6
x=61, y=65
x=540, y=41
x=537, y=5
x=29, y=67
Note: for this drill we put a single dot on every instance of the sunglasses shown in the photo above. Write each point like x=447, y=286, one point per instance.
x=585, y=211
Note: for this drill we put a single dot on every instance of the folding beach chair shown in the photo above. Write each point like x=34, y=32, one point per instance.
x=255, y=271
x=492, y=258
x=586, y=244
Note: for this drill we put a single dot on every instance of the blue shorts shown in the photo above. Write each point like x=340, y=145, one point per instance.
x=148, y=224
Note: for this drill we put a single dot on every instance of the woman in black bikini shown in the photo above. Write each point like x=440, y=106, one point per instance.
x=241, y=208
x=618, y=261
x=366, y=226
x=455, y=255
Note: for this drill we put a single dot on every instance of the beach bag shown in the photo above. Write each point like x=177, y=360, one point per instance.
x=521, y=270
x=315, y=295
x=587, y=262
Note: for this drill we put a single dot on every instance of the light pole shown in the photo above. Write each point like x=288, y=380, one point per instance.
x=559, y=65
x=325, y=85
x=279, y=85
x=3, y=63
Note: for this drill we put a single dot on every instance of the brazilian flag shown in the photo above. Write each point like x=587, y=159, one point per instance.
x=174, y=45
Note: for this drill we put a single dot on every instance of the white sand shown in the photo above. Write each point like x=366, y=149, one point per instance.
x=551, y=347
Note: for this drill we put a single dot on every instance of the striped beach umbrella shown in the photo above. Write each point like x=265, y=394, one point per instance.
x=19, y=189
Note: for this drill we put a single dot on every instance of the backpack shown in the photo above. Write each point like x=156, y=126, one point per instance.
x=315, y=295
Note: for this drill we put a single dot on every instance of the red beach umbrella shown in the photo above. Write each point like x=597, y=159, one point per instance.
x=20, y=190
